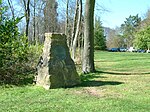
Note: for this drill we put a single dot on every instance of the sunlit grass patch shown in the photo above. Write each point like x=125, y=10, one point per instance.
x=121, y=84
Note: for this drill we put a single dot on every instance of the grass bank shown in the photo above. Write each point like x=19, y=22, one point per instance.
x=121, y=84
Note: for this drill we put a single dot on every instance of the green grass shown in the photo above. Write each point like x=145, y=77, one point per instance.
x=121, y=84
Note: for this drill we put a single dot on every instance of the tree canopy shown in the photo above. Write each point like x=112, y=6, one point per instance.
x=142, y=39
x=129, y=28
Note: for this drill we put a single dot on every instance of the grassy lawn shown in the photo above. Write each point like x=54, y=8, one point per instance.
x=121, y=84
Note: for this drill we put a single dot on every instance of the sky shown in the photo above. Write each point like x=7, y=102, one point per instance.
x=119, y=10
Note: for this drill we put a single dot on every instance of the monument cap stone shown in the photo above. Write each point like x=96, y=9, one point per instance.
x=56, y=68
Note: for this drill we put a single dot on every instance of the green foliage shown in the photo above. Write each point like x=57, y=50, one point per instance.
x=13, y=49
x=9, y=38
x=129, y=28
x=99, y=38
x=16, y=56
x=142, y=39
x=142, y=35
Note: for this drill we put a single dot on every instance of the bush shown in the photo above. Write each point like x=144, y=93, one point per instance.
x=17, y=58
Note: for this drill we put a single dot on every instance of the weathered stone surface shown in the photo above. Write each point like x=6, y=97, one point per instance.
x=56, y=68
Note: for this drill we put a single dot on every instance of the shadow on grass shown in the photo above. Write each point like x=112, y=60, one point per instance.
x=91, y=76
x=89, y=80
x=123, y=73
x=94, y=83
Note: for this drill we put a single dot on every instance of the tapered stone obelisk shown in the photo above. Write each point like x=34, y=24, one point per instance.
x=56, y=68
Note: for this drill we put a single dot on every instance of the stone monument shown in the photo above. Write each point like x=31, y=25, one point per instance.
x=56, y=68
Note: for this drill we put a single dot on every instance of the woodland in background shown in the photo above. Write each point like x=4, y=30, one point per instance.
x=134, y=32
x=22, y=35
x=24, y=22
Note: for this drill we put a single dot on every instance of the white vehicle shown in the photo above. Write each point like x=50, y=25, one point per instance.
x=131, y=49
x=148, y=51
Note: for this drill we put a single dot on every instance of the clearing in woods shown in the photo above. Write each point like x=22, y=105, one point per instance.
x=121, y=84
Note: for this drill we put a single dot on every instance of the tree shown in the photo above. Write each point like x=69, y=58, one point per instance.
x=77, y=21
x=11, y=8
x=34, y=15
x=50, y=16
x=99, y=38
x=142, y=39
x=114, y=38
x=13, y=47
x=37, y=29
x=27, y=15
x=146, y=21
x=88, y=52
x=129, y=28
x=67, y=21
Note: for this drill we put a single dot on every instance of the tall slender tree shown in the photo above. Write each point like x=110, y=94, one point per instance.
x=11, y=8
x=88, y=55
x=50, y=15
x=67, y=21
x=26, y=4
x=77, y=29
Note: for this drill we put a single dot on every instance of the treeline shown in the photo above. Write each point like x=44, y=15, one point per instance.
x=134, y=32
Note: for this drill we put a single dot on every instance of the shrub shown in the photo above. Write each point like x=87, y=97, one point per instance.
x=17, y=58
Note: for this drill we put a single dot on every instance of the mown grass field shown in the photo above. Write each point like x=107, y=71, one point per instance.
x=121, y=84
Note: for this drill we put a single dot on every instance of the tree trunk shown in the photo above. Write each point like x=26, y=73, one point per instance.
x=27, y=14
x=88, y=53
x=77, y=30
x=74, y=23
x=34, y=6
x=50, y=16
x=67, y=23
x=11, y=8
x=27, y=17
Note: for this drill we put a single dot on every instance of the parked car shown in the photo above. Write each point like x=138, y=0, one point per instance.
x=122, y=49
x=148, y=51
x=132, y=49
x=141, y=51
x=114, y=50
